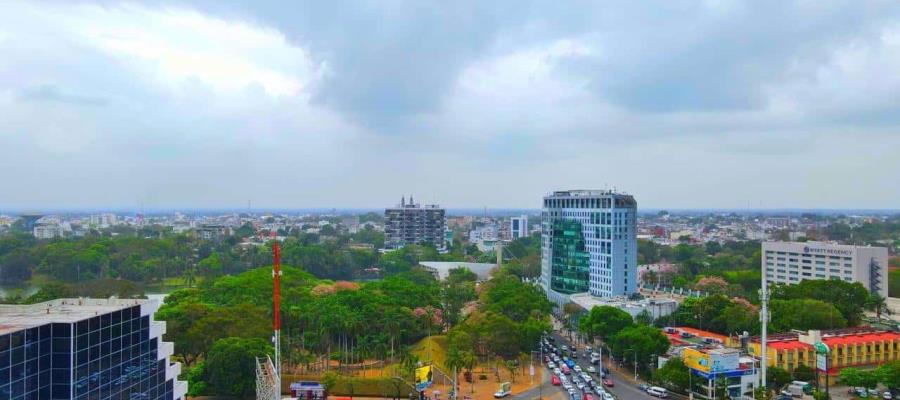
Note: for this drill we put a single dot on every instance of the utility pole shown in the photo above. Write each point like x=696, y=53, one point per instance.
x=276, y=321
x=764, y=318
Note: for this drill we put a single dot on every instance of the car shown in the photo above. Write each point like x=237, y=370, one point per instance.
x=608, y=382
x=501, y=394
x=580, y=386
x=607, y=396
x=862, y=392
x=587, y=396
x=887, y=396
x=564, y=347
x=571, y=391
x=644, y=387
x=557, y=371
x=551, y=365
x=567, y=386
x=657, y=391
x=874, y=392
x=592, y=370
x=555, y=381
x=577, y=368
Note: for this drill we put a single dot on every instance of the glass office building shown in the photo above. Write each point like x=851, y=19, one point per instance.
x=86, y=349
x=588, y=244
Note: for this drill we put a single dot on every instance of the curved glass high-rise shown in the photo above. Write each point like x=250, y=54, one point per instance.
x=588, y=244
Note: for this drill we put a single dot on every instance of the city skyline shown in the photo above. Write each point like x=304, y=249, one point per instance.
x=314, y=105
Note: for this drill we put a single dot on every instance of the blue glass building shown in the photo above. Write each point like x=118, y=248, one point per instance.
x=86, y=349
x=588, y=244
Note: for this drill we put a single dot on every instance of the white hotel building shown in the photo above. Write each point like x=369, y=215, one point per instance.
x=792, y=262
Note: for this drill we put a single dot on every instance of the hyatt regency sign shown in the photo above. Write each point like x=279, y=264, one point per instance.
x=835, y=252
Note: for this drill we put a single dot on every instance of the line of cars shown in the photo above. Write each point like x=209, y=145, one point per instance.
x=578, y=382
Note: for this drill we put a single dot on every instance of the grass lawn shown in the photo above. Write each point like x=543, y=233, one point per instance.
x=432, y=348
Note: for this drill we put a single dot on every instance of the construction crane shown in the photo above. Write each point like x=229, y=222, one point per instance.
x=268, y=372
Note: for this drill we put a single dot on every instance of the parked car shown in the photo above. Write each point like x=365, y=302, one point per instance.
x=592, y=370
x=555, y=381
x=887, y=396
x=657, y=391
x=608, y=382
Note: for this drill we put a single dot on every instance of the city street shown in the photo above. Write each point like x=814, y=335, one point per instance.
x=623, y=388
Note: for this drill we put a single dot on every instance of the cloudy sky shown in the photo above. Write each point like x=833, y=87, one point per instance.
x=685, y=104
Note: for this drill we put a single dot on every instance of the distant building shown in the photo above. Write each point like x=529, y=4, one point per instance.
x=412, y=223
x=214, y=232
x=792, y=262
x=518, y=227
x=588, y=244
x=87, y=349
x=47, y=231
x=104, y=220
x=441, y=269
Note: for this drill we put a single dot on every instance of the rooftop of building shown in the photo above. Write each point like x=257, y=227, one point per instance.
x=694, y=337
x=483, y=270
x=588, y=301
x=834, y=337
x=585, y=193
x=18, y=317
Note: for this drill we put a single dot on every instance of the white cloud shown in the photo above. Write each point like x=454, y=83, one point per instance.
x=177, y=45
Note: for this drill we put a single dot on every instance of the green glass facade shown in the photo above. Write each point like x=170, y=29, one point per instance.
x=570, y=262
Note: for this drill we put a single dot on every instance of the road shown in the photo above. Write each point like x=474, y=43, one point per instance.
x=623, y=388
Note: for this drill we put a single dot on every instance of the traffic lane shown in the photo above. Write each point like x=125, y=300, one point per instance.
x=622, y=389
x=545, y=390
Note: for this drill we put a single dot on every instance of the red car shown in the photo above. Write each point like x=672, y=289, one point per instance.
x=587, y=397
x=608, y=382
x=555, y=381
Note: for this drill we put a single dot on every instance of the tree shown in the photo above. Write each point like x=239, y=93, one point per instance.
x=762, y=393
x=228, y=364
x=16, y=266
x=674, y=374
x=889, y=374
x=876, y=303
x=644, y=318
x=777, y=377
x=604, y=322
x=639, y=342
x=805, y=314
x=858, y=377
x=804, y=373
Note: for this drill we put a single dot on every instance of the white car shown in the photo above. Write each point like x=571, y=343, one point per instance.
x=557, y=371
x=580, y=386
x=551, y=365
x=887, y=396
x=607, y=396
x=592, y=370
x=577, y=369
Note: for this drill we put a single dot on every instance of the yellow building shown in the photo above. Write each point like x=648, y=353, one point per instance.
x=852, y=347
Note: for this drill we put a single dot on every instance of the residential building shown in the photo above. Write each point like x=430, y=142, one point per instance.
x=588, y=244
x=86, y=349
x=518, y=227
x=214, y=232
x=47, y=231
x=793, y=262
x=103, y=220
x=413, y=223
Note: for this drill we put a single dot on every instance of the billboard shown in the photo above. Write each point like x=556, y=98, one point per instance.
x=423, y=377
x=696, y=360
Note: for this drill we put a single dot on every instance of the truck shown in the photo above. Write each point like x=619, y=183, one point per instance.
x=799, y=388
x=505, y=390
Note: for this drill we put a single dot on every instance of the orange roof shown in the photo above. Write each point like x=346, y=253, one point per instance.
x=702, y=333
x=861, y=338
x=789, y=345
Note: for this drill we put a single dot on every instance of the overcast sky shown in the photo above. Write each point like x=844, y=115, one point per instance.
x=701, y=104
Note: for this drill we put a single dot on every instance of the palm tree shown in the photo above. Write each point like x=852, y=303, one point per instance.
x=877, y=303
